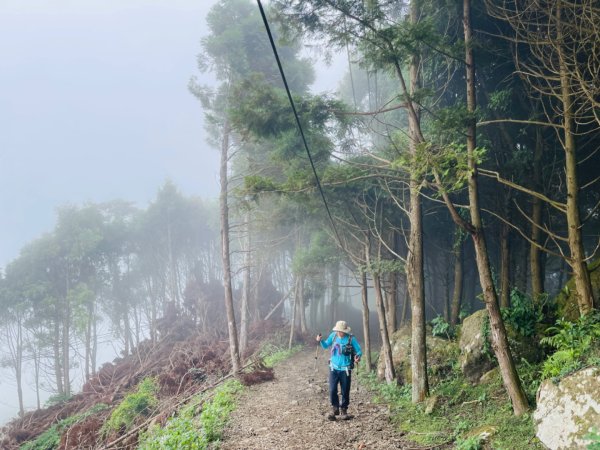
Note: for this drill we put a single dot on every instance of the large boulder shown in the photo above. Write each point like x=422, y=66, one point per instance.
x=568, y=410
x=441, y=354
x=400, y=343
x=567, y=299
x=476, y=353
x=475, y=359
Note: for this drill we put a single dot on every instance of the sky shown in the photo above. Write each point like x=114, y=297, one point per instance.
x=94, y=106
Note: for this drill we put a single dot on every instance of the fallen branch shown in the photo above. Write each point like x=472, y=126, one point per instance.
x=277, y=305
x=170, y=409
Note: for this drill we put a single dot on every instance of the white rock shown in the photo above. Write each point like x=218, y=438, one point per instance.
x=566, y=412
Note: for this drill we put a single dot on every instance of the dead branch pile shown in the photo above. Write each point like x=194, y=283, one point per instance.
x=184, y=362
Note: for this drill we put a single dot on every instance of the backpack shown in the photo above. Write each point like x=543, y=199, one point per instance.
x=348, y=350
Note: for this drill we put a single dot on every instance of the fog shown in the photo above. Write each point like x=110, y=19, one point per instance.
x=94, y=106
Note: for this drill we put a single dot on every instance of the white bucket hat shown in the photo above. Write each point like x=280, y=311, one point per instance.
x=342, y=326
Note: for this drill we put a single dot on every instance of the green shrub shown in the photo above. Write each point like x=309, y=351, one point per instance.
x=524, y=314
x=572, y=340
x=193, y=432
x=441, y=328
x=57, y=399
x=560, y=364
x=215, y=413
x=472, y=443
x=459, y=408
x=50, y=439
x=577, y=335
x=272, y=354
x=594, y=437
x=133, y=405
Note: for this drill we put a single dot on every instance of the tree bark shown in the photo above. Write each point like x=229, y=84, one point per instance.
x=88, y=341
x=365, y=322
x=386, y=348
x=302, y=305
x=294, y=307
x=66, y=362
x=583, y=285
x=505, y=266
x=458, y=280
x=56, y=353
x=405, y=302
x=244, y=304
x=510, y=378
x=535, y=254
x=414, y=263
x=225, y=255
x=390, y=305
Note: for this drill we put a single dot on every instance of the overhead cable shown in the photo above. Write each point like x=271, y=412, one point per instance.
x=293, y=105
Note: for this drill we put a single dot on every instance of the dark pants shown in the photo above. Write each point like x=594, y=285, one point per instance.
x=343, y=379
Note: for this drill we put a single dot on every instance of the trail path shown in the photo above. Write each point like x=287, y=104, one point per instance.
x=290, y=413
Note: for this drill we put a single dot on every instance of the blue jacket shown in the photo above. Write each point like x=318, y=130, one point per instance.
x=339, y=361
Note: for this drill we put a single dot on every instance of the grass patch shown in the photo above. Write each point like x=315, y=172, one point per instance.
x=50, y=439
x=139, y=403
x=273, y=355
x=461, y=409
x=199, y=425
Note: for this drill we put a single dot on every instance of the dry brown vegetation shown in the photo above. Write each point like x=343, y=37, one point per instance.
x=184, y=362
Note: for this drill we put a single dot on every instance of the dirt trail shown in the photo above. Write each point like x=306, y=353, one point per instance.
x=290, y=413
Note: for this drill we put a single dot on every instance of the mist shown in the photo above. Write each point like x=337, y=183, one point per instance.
x=95, y=107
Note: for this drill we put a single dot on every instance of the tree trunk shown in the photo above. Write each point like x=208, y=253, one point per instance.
x=294, y=307
x=301, y=305
x=244, y=304
x=414, y=262
x=365, y=322
x=405, y=302
x=335, y=291
x=94, y=346
x=225, y=255
x=386, y=348
x=535, y=254
x=583, y=285
x=126, y=329
x=66, y=344
x=458, y=280
x=88, y=341
x=510, y=378
x=18, y=359
x=505, y=266
x=36, y=374
x=390, y=304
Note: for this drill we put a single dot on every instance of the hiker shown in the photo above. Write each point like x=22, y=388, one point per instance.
x=345, y=351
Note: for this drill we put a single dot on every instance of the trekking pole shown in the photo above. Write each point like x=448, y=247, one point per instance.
x=317, y=354
x=357, y=364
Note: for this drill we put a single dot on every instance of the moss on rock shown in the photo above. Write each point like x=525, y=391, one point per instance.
x=567, y=299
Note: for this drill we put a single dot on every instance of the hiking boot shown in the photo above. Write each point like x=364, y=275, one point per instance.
x=334, y=412
x=344, y=414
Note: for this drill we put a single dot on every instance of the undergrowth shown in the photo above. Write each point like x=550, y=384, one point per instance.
x=139, y=403
x=577, y=345
x=594, y=438
x=273, y=354
x=462, y=412
x=197, y=425
x=50, y=439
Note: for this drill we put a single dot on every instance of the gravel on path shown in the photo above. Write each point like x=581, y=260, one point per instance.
x=290, y=413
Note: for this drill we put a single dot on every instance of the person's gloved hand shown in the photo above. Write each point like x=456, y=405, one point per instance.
x=318, y=338
x=356, y=358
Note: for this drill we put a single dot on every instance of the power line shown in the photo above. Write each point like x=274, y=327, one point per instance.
x=293, y=105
